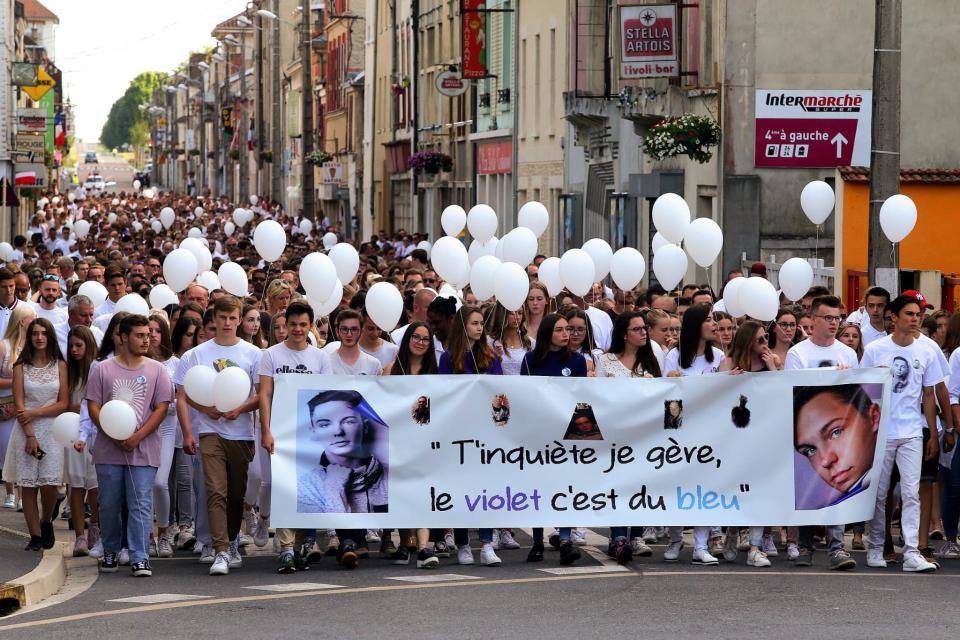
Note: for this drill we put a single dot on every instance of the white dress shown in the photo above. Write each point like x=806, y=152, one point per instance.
x=41, y=387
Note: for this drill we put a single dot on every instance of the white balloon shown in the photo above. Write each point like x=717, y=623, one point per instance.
x=670, y=266
x=703, y=241
x=240, y=216
x=482, y=222
x=71, y=196
x=113, y=202
x=167, y=217
x=658, y=242
x=795, y=278
x=511, y=285
x=731, y=297
x=898, y=216
x=759, y=299
x=229, y=228
x=233, y=279
x=817, y=201
x=306, y=226
x=447, y=291
x=577, y=271
x=519, y=246
x=66, y=428
x=112, y=218
x=384, y=304
x=601, y=253
x=161, y=296
x=93, y=290
x=179, y=269
x=254, y=200
x=133, y=303
x=55, y=200
x=231, y=388
x=549, y=275
x=118, y=419
x=478, y=249
x=318, y=275
x=195, y=232
x=209, y=280
x=81, y=228
x=137, y=226
x=6, y=251
x=136, y=184
x=156, y=226
x=198, y=211
x=426, y=246
x=325, y=307
x=534, y=216
x=671, y=215
x=449, y=258
x=199, y=251
x=346, y=259
x=453, y=219
x=483, y=276
x=329, y=240
x=198, y=384
x=626, y=268
x=270, y=240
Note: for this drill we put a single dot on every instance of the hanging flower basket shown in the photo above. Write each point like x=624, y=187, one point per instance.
x=194, y=152
x=690, y=135
x=267, y=156
x=430, y=162
x=317, y=158
x=234, y=154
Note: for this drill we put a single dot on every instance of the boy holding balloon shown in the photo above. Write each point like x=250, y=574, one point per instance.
x=127, y=397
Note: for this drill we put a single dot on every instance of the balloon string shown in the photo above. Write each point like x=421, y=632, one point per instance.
x=816, y=246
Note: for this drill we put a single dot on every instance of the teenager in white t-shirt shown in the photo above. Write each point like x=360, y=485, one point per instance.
x=295, y=355
x=821, y=350
x=694, y=355
x=870, y=315
x=373, y=344
x=348, y=359
x=916, y=372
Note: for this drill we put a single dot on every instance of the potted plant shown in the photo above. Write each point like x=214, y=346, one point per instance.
x=194, y=152
x=430, y=162
x=689, y=135
x=317, y=158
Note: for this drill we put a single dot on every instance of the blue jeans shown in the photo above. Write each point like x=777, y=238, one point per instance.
x=460, y=536
x=950, y=501
x=121, y=485
x=563, y=532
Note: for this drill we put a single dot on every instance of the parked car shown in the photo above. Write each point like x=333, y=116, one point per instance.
x=90, y=157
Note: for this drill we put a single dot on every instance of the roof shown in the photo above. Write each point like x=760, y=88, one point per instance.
x=34, y=9
x=231, y=25
x=928, y=176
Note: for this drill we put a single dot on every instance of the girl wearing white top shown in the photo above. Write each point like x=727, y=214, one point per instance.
x=581, y=337
x=161, y=350
x=508, y=337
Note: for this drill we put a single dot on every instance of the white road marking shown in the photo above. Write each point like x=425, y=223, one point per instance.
x=578, y=571
x=159, y=598
x=285, y=587
x=435, y=577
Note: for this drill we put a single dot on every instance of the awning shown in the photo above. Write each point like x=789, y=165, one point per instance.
x=8, y=195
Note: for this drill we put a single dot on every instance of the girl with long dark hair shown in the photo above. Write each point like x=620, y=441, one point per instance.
x=749, y=351
x=81, y=473
x=508, y=337
x=784, y=332
x=581, y=337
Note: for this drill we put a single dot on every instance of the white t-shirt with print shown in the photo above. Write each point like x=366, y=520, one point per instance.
x=365, y=365
x=699, y=367
x=914, y=367
x=809, y=355
x=282, y=359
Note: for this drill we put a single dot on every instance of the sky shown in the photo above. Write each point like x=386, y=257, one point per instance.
x=102, y=45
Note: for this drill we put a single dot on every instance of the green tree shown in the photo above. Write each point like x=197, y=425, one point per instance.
x=125, y=113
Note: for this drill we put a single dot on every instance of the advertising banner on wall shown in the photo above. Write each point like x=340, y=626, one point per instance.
x=522, y=451
x=648, y=41
x=473, y=38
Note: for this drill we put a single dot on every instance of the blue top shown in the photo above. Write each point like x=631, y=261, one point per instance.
x=446, y=367
x=574, y=367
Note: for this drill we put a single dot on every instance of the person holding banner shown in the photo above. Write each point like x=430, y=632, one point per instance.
x=821, y=349
x=913, y=388
x=553, y=357
x=469, y=352
x=695, y=354
x=295, y=355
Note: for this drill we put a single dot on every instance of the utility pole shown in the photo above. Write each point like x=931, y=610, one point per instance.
x=306, y=129
x=242, y=142
x=276, y=175
x=203, y=132
x=885, y=134
x=259, y=127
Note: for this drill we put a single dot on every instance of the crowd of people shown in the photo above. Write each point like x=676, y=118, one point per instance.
x=197, y=480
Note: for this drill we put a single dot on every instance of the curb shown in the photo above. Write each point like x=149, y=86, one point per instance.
x=45, y=580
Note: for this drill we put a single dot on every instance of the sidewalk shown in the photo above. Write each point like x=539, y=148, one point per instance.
x=13, y=536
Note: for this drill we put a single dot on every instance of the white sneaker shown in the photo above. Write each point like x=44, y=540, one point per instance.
x=96, y=551
x=164, y=548
x=10, y=501
x=153, y=548
x=640, y=548
x=244, y=539
x=793, y=551
x=465, y=555
x=507, y=541
x=743, y=540
x=875, y=559
x=207, y=555
x=578, y=537
x=704, y=557
x=731, y=546
x=449, y=541
x=236, y=560
x=916, y=563
x=198, y=547
x=333, y=544
x=495, y=541
x=262, y=534
x=123, y=558
x=488, y=558
x=249, y=528
x=769, y=546
x=373, y=536
x=672, y=554
x=757, y=558
x=949, y=551
x=221, y=565
x=649, y=535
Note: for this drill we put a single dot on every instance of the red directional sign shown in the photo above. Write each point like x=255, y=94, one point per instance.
x=784, y=142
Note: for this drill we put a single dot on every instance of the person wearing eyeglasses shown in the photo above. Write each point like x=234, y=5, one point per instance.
x=22, y=288
x=348, y=359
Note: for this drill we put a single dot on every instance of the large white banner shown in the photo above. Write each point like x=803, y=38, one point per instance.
x=783, y=448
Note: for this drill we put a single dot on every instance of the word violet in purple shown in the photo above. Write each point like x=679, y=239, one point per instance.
x=508, y=500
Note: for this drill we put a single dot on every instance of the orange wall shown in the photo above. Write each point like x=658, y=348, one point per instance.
x=933, y=243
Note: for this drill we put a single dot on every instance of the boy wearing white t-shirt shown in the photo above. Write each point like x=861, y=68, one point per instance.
x=916, y=372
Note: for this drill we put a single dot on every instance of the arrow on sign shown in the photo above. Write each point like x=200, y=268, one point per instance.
x=839, y=140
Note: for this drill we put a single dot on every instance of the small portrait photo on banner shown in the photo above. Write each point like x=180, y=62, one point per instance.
x=672, y=414
x=342, y=454
x=583, y=425
x=420, y=412
x=500, y=410
x=834, y=439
